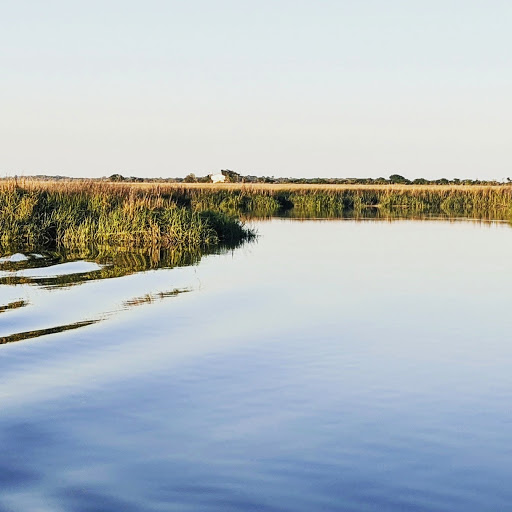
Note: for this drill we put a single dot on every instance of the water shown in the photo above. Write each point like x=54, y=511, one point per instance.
x=340, y=365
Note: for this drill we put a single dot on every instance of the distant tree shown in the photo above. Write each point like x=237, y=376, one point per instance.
x=231, y=176
x=396, y=178
x=420, y=181
x=190, y=178
x=116, y=177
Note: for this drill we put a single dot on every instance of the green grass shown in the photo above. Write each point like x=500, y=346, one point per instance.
x=83, y=213
x=70, y=214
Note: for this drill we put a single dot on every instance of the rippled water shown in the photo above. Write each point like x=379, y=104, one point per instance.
x=341, y=365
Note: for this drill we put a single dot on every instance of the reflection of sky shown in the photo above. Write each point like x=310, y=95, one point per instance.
x=304, y=88
x=74, y=267
x=87, y=301
x=360, y=363
x=429, y=280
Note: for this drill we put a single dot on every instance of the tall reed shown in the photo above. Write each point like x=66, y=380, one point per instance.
x=194, y=215
x=84, y=212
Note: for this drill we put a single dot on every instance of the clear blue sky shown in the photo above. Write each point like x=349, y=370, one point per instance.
x=284, y=88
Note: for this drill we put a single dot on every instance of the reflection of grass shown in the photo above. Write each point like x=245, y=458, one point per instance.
x=137, y=301
x=42, y=332
x=13, y=305
x=389, y=214
x=481, y=202
x=115, y=261
x=150, y=298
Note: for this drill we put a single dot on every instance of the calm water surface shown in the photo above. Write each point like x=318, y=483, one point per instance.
x=331, y=366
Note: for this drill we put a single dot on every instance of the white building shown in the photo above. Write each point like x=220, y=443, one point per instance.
x=218, y=178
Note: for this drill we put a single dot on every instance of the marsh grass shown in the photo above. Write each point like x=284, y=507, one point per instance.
x=201, y=215
x=78, y=213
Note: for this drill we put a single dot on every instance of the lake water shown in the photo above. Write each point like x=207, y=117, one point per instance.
x=329, y=366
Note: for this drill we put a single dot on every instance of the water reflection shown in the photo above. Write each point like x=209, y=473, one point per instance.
x=111, y=262
x=151, y=298
x=13, y=305
x=43, y=332
x=377, y=213
x=331, y=366
x=59, y=269
x=386, y=214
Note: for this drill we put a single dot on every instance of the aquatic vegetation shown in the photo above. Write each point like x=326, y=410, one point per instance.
x=78, y=213
x=71, y=214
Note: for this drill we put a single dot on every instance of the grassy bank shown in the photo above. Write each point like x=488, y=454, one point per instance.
x=78, y=213
x=195, y=215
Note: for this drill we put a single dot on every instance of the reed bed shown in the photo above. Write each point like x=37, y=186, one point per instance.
x=78, y=213
x=194, y=215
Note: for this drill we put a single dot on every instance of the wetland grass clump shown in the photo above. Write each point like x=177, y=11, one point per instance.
x=78, y=213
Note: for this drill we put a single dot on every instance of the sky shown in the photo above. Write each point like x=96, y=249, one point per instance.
x=276, y=88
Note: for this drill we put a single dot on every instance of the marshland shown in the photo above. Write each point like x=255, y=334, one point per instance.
x=255, y=256
x=200, y=215
x=268, y=347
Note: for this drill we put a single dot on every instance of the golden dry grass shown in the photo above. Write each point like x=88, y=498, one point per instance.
x=106, y=186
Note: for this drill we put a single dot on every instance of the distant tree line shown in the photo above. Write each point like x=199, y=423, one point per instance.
x=234, y=177
x=394, y=179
